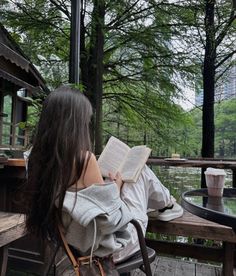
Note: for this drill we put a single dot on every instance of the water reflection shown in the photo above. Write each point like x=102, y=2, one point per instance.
x=215, y=203
x=179, y=180
x=225, y=205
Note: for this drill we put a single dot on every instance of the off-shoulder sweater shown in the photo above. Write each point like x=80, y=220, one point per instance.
x=97, y=217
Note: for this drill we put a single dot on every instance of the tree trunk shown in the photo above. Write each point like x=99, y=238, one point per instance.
x=84, y=57
x=222, y=149
x=96, y=69
x=234, y=148
x=92, y=69
x=208, y=129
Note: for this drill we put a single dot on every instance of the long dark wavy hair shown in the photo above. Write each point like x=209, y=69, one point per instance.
x=57, y=158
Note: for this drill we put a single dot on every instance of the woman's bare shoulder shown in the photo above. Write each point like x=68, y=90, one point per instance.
x=92, y=173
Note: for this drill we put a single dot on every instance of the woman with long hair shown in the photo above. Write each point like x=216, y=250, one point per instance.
x=65, y=185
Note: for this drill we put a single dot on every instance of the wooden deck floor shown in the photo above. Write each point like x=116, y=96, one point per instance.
x=163, y=266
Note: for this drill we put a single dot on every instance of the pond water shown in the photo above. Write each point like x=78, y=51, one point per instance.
x=179, y=180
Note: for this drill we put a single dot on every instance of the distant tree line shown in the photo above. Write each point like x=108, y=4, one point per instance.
x=188, y=138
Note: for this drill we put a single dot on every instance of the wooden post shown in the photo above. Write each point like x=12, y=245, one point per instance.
x=228, y=259
x=75, y=42
x=234, y=178
x=203, y=179
x=3, y=260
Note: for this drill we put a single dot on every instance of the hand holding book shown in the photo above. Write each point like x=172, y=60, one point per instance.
x=118, y=179
x=119, y=157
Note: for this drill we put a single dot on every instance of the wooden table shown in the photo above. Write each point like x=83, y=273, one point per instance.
x=29, y=253
x=12, y=176
x=12, y=227
x=3, y=161
x=12, y=162
x=197, y=163
x=190, y=225
x=218, y=209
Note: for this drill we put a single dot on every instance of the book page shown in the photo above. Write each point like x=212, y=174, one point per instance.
x=135, y=161
x=113, y=156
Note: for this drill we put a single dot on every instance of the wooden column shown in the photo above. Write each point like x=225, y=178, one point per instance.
x=3, y=260
x=234, y=178
x=228, y=263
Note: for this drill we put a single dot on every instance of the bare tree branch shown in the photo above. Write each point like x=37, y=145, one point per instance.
x=225, y=59
x=224, y=31
x=60, y=8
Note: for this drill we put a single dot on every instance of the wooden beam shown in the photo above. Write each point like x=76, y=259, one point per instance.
x=195, y=251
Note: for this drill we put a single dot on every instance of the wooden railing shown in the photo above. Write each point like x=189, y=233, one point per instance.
x=160, y=161
x=199, y=163
x=13, y=172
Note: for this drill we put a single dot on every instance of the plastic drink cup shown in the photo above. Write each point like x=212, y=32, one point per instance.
x=215, y=179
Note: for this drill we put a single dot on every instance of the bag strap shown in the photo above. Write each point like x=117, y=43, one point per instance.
x=72, y=258
x=68, y=251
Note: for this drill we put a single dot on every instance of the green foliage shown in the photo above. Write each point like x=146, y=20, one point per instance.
x=34, y=110
x=151, y=49
x=226, y=128
x=139, y=64
x=144, y=119
x=79, y=86
x=43, y=32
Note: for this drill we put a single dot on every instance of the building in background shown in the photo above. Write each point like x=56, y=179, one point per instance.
x=199, y=98
x=227, y=89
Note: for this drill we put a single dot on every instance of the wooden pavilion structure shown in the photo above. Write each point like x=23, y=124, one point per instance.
x=19, y=79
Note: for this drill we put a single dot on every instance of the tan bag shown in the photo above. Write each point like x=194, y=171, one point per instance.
x=85, y=266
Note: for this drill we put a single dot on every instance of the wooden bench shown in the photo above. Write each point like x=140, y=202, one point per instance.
x=12, y=227
x=190, y=225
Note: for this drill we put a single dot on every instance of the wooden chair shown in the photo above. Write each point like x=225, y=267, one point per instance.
x=140, y=260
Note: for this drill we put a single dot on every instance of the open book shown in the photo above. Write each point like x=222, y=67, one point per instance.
x=118, y=157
